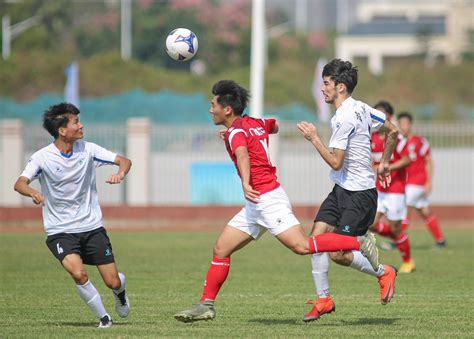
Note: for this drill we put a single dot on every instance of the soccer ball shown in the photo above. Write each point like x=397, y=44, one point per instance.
x=181, y=44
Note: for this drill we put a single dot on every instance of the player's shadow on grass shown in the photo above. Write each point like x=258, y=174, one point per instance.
x=81, y=324
x=363, y=321
x=291, y=321
x=336, y=322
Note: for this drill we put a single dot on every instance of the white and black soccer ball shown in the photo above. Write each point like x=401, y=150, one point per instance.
x=181, y=44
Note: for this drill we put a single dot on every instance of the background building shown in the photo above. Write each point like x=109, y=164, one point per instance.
x=432, y=29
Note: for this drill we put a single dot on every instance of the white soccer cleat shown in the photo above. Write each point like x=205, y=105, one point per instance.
x=202, y=311
x=122, y=304
x=105, y=321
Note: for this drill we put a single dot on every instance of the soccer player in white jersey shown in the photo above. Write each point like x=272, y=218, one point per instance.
x=351, y=206
x=267, y=206
x=71, y=213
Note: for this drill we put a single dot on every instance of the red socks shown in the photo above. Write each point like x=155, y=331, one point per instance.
x=403, y=245
x=216, y=275
x=433, y=226
x=402, y=241
x=332, y=242
x=383, y=229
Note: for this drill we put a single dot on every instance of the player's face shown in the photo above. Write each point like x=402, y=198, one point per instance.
x=73, y=131
x=405, y=126
x=330, y=90
x=217, y=112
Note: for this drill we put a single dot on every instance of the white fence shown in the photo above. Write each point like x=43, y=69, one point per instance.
x=189, y=165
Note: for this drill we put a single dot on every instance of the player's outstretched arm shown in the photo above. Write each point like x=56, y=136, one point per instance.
x=243, y=164
x=22, y=187
x=124, y=165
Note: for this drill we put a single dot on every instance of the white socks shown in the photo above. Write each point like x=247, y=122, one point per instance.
x=122, y=283
x=362, y=264
x=92, y=298
x=320, y=268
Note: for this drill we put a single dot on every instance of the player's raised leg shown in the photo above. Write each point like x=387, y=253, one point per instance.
x=230, y=240
x=295, y=239
x=72, y=263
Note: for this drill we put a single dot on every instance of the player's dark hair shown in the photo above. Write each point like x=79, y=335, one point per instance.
x=229, y=93
x=57, y=116
x=341, y=72
x=406, y=115
x=385, y=105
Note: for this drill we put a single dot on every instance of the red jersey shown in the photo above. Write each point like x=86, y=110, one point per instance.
x=398, y=177
x=418, y=149
x=253, y=134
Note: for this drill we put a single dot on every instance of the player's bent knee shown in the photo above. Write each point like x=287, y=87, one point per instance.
x=80, y=276
x=113, y=283
x=220, y=251
x=300, y=249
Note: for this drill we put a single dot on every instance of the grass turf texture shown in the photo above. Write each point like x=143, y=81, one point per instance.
x=264, y=295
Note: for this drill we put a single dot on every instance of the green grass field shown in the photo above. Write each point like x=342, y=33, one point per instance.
x=264, y=295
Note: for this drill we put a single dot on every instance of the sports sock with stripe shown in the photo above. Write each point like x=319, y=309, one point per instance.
x=215, y=277
x=92, y=298
x=332, y=242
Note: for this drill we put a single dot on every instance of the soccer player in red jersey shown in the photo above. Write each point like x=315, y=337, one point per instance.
x=419, y=178
x=391, y=199
x=267, y=206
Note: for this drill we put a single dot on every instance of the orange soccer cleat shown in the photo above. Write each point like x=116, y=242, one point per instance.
x=320, y=306
x=387, y=284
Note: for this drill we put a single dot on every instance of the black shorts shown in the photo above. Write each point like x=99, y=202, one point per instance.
x=351, y=212
x=94, y=246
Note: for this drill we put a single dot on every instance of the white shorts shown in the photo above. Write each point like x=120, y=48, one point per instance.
x=416, y=196
x=392, y=205
x=273, y=212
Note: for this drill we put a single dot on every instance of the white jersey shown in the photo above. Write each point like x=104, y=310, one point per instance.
x=352, y=126
x=68, y=185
